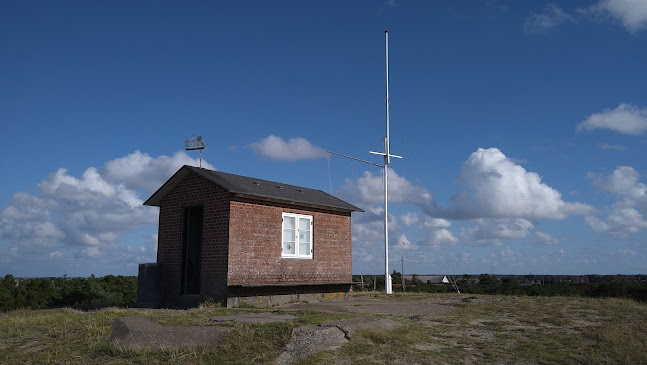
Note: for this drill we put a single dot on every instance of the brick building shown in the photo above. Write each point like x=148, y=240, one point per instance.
x=245, y=240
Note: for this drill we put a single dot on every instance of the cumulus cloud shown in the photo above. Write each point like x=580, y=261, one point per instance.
x=621, y=221
x=546, y=238
x=403, y=243
x=551, y=17
x=629, y=213
x=412, y=218
x=499, y=198
x=369, y=190
x=623, y=181
x=442, y=236
x=494, y=231
x=499, y=188
x=435, y=229
x=74, y=218
x=294, y=149
x=631, y=13
x=625, y=119
x=141, y=171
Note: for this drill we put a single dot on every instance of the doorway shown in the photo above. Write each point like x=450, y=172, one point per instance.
x=191, y=250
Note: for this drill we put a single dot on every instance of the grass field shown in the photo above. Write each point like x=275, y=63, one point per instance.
x=484, y=330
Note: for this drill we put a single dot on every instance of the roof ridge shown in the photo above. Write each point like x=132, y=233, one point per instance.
x=241, y=185
x=255, y=178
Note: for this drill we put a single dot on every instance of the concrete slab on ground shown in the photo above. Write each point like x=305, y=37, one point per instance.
x=376, y=306
x=350, y=326
x=139, y=332
x=254, y=318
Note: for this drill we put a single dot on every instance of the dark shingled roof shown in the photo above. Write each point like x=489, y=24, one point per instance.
x=256, y=188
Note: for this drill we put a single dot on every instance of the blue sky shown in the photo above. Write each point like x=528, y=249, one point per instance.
x=523, y=126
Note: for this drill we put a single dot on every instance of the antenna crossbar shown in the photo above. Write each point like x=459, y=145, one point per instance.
x=355, y=158
x=383, y=154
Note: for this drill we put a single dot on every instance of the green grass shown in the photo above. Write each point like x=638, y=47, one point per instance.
x=508, y=330
x=488, y=330
x=68, y=336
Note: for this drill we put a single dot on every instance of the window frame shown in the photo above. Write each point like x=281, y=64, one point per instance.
x=297, y=254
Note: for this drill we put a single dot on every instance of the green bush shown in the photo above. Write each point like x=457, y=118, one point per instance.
x=118, y=291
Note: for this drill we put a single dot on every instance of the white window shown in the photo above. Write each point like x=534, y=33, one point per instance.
x=297, y=236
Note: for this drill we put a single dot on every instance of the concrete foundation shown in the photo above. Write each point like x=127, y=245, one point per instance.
x=269, y=295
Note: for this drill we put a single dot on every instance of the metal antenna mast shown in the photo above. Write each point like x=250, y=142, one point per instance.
x=388, y=284
x=387, y=159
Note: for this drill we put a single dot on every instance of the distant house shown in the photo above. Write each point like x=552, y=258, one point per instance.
x=247, y=240
x=430, y=279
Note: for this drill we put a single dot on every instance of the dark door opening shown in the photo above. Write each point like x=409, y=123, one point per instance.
x=191, y=247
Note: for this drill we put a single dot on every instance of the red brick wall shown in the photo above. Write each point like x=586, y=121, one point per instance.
x=255, y=246
x=194, y=190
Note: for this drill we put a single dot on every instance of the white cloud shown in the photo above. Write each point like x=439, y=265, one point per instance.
x=500, y=199
x=631, y=13
x=623, y=181
x=497, y=188
x=72, y=219
x=91, y=188
x=141, y=171
x=551, y=17
x=434, y=229
x=606, y=146
x=546, y=238
x=441, y=236
x=512, y=257
x=626, y=119
x=620, y=221
x=369, y=190
x=629, y=213
x=412, y=219
x=494, y=231
x=294, y=149
x=436, y=223
x=626, y=252
x=403, y=244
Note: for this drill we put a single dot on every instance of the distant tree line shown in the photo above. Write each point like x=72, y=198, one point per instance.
x=597, y=286
x=89, y=292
